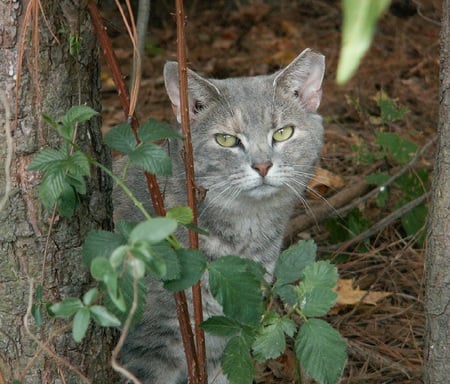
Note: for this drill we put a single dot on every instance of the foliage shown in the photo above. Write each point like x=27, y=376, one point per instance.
x=393, y=192
x=121, y=261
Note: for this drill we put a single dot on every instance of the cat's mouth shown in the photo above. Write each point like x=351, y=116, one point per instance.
x=262, y=190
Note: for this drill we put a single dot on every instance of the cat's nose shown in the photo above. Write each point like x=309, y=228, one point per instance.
x=262, y=168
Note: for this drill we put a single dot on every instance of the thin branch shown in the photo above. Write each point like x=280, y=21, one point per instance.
x=126, y=327
x=43, y=345
x=380, y=225
x=190, y=186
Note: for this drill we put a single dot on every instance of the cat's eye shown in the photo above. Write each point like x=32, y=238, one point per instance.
x=283, y=134
x=226, y=140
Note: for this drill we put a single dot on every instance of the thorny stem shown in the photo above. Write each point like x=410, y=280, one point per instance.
x=155, y=193
x=190, y=185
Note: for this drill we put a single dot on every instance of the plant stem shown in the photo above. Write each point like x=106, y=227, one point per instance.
x=190, y=184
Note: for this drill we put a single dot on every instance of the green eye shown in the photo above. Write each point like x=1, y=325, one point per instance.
x=283, y=134
x=226, y=140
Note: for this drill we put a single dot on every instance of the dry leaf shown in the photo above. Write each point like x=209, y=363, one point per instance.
x=323, y=181
x=347, y=295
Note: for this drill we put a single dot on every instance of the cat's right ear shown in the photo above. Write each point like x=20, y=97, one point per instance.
x=201, y=92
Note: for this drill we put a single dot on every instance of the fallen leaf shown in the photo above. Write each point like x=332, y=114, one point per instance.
x=348, y=295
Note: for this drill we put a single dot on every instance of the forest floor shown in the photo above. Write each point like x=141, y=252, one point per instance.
x=372, y=237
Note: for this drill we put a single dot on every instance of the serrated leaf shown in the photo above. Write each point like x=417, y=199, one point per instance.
x=237, y=363
x=104, y=317
x=316, y=301
x=152, y=158
x=80, y=324
x=153, y=231
x=78, y=164
x=234, y=285
x=46, y=160
x=153, y=130
x=321, y=351
x=183, y=215
x=221, y=326
x=321, y=274
x=65, y=308
x=270, y=342
x=287, y=294
x=292, y=261
x=100, y=244
x=121, y=138
x=52, y=186
x=402, y=150
x=79, y=114
x=192, y=265
x=90, y=296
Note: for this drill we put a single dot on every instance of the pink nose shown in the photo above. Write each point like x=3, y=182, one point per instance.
x=262, y=168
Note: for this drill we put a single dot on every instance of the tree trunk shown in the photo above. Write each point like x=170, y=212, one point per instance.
x=34, y=249
x=437, y=278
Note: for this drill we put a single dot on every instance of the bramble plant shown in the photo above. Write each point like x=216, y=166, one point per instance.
x=120, y=261
x=395, y=151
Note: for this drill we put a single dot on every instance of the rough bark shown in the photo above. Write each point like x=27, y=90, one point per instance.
x=52, y=79
x=437, y=278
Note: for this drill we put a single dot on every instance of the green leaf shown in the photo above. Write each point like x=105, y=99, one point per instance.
x=153, y=231
x=221, y=326
x=121, y=138
x=183, y=215
x=114, y=291
x=321, y=351
x=192, y=266
x=46, y=160
x=292, y=261
x=52, y=186
x=402, y=150
x=287, y=293
x=67, y=202
x=90, y=296
x=65, y=308
x=237, y=363
x=103, y=317
x=316, y=301
x=270, y=342
x=137, y=267
x=165, y=252
x=152, y=158
x=414, y=221
x=80, y=325
x=234, y=285
x=79, y=114
x=36, y=311
x=389, y=111
x=101, y=267
x=153, y=130
x=78, y=164
x=143, y=251
x=321, y=274
x=100, y=244
x=49, y=120
x=359, y=19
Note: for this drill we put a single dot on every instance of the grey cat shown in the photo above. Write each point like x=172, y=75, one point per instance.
x=256, y=143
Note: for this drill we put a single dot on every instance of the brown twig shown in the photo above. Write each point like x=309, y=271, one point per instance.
x=379, y=226
x=155, y=193
x=200, y=364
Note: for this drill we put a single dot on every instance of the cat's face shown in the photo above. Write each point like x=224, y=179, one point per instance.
x=256, y=138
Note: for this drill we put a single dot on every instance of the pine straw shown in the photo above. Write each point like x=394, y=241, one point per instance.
x=385, y=341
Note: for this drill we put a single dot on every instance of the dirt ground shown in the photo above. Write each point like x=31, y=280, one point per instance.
x=385, y=340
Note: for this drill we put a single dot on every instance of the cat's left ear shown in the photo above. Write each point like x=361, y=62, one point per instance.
x=303, y=77
x=201, y=92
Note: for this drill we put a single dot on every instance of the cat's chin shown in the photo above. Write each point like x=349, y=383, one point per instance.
x=262, y=191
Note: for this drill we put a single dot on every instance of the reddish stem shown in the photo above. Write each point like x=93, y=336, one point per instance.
x=190, y=183
x=155, y=193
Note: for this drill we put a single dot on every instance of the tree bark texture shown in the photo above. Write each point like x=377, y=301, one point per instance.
x=53, y=77
x=437, y=278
